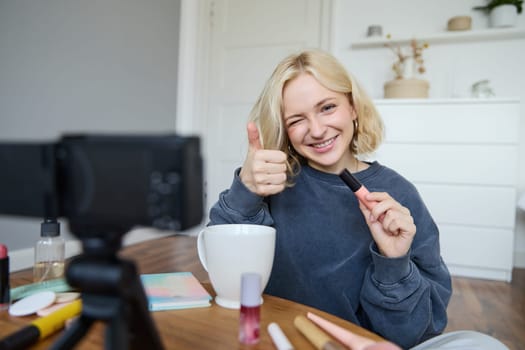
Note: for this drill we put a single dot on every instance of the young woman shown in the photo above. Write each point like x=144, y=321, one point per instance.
x=381, y=267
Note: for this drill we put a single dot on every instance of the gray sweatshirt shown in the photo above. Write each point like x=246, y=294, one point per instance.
x=325, y=256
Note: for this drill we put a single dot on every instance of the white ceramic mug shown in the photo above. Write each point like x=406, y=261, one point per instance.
x=227, y=251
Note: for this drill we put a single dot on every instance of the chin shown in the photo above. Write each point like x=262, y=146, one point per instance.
x=327, y=168
x=326, y=162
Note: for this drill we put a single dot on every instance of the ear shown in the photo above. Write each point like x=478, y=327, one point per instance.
x=353, y=112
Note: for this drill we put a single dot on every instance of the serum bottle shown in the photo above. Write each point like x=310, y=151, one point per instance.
x=49, y=252
x=250, y=316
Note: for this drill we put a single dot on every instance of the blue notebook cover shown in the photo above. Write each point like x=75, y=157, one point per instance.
x=174, y=290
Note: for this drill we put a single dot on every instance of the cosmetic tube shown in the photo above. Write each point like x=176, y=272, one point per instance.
x=315, y=335
x=344, y=336
x=4, y=278
x=250, y=317
x=279, y=339
x=359, y=190
x=41, y=328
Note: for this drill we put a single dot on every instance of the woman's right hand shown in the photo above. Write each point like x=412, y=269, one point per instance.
x=263, y=171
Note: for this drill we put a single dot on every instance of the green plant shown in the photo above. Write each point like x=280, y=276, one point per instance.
x=495, y=3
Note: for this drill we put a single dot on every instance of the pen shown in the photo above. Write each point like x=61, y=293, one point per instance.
x=278, y=337
x=41, y=327
x=316, y=336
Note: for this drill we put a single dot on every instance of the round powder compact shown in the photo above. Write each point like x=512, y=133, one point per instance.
x=31, y=304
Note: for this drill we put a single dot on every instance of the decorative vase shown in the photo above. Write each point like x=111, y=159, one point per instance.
x=406, y=88
x=503, y=16
x=458, y=23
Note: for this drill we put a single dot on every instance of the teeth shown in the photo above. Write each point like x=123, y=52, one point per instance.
x=324, y=144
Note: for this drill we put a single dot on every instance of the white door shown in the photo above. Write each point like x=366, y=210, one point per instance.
x=248, y=38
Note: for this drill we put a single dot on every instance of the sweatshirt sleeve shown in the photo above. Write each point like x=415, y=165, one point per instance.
x=405, y=299
x=238, y=205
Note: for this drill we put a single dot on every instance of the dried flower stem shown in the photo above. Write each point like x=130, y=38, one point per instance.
x=403, y=59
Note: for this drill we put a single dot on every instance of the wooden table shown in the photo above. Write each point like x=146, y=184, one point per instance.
x=200, y=328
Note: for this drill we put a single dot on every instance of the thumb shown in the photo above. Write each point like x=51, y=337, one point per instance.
x=253, y=136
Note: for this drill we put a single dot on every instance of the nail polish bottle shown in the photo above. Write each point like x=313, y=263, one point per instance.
x=249, y=320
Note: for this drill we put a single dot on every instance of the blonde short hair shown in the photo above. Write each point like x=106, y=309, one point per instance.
x=268, y=111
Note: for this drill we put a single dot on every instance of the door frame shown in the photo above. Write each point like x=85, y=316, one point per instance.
x=194, y=50
x=194, y=67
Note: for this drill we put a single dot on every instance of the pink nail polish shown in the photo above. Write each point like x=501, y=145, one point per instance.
x=249, y=319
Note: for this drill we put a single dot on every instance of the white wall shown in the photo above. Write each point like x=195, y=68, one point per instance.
x=84, y=66
x=451, y=67
x=112, y=65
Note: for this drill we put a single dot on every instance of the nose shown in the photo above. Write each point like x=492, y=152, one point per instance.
x=317, y=128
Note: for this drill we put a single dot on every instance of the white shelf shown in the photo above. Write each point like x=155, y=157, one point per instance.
x=447, y=101
x=446, y=37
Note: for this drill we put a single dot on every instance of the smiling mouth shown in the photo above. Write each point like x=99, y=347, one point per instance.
x=324, y=143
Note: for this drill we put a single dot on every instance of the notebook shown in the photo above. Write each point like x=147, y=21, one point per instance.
x=174, y=290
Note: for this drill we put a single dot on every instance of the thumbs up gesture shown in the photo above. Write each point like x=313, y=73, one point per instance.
x=263, y=171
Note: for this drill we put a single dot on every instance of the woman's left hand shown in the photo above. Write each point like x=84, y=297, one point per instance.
x=391, y=224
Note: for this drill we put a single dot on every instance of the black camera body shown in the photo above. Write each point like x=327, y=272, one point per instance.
x=105, y=183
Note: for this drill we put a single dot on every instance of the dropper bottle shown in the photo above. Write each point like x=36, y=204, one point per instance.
x=49, y=252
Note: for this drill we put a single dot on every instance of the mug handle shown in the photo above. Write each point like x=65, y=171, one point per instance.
x=200, y=249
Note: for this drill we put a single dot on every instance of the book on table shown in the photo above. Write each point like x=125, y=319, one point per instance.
x=174, y=290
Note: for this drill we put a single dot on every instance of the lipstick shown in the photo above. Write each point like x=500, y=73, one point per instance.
x=4, y=278
x=359, y=190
